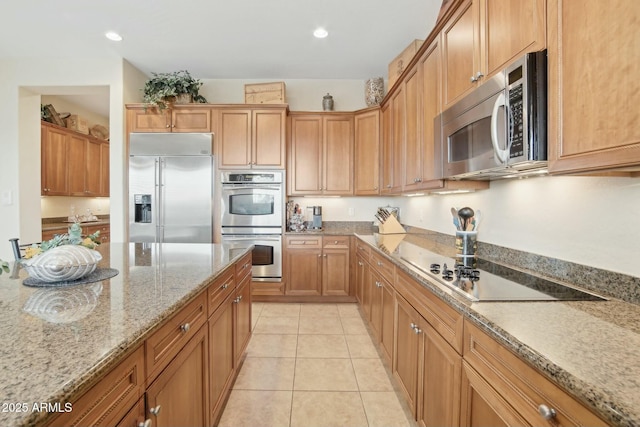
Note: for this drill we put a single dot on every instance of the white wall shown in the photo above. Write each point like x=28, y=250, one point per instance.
x=341, y=208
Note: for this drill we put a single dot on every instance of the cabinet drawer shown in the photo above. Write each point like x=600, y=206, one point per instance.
x=304, y=242
x=107, y=402
x=243, y=267
x=383, y=266
x=444, y=319
x=335, y=242
x=363, y=250
x=167, y=341
x=220, y=289
x=522, y=385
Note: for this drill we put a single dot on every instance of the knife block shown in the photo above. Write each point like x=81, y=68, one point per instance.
x=391, y=226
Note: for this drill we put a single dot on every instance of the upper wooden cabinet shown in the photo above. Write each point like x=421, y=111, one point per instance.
x=320, y=151
x=482, y=36
x=367, y=153
x=73, y=164
x=251, y=138
x=180, y=118
x=594, y=90
x=386, y=163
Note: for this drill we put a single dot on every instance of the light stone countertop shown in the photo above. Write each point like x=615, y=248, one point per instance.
x=50, y=354
x=590, y=349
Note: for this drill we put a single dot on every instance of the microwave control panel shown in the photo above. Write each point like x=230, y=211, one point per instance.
x=516, y=121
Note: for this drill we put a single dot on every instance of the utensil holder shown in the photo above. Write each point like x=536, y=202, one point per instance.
x=391, y=226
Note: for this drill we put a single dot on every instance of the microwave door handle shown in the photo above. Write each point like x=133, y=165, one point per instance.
x=501, y=154
x=250, y=187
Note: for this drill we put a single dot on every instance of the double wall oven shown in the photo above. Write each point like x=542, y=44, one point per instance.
x=253, y=213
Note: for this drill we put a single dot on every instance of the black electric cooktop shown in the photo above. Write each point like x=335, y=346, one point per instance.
x=480, y=280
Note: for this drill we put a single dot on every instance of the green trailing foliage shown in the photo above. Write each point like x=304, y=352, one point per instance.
x=162, y=88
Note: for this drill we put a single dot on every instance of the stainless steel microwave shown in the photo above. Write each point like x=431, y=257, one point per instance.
x=500, y=129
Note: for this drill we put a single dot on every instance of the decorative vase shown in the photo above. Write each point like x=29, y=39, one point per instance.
x=374, y=91
x=327, y=102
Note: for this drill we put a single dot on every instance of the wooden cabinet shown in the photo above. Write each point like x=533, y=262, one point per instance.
x=412, y=144
x=251, y=138
x=180, y=118
x=386, y=163
x=110, y=400
x=482, y=36
x=73, y=164
x=321, y=154
x=498, y=379
x=593, y=87
x=317, y=266
x=382, y=311
x=242, y=318
x=408, y=342
x=104, y=229
x=367, y=153
x=180, y=394
x=221, y=354
x=398, y=110
x=136, y=417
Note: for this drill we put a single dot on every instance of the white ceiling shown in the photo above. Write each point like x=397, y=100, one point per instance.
x=236, y=39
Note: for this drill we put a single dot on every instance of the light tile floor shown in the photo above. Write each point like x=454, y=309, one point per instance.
x=313, y=365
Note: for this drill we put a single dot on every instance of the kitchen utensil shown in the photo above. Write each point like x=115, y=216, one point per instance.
x=465, y=214
x=477, y=219
x=456, y=218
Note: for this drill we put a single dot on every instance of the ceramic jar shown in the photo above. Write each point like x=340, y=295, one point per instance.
x=327, y=102
x=374, y=91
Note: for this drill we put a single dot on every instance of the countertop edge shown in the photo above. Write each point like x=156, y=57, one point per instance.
x=596, y=400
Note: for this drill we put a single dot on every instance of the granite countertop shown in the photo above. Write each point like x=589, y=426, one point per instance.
x=590, y=349
x=53, y=346
x=338, y=228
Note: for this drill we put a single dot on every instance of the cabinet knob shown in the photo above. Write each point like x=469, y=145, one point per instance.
x=388, y=185
x=379, y=264
x=335, y=242
x=168, y=126
x=413, y=326
x=185, y=327
x=155, y=411
x=546, y=412
x=319, y=255
x=145, y=423
x=360, y=263
x=417, y=330
x=225, y=286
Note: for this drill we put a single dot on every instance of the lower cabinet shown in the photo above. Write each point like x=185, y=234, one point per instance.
x=317, y=266
x=180, y=394
x=221, y=355
x=382, y=311
x=242, y=318
x=136, y=417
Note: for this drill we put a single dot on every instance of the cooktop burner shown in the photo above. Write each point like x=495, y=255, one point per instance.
x=487, y=281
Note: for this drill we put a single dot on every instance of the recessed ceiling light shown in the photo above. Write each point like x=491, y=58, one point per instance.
x=112, y=35
x=320, y=33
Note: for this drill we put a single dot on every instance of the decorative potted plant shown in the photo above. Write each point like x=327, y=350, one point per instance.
x=165, y=89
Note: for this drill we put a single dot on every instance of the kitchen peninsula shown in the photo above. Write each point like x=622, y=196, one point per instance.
x=164, y=306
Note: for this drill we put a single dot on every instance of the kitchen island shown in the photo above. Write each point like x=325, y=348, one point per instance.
x=58, y=342
x=586, y=348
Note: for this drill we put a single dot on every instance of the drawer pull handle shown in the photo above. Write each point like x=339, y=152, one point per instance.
x=246, y=265
x=185, y=328
x=360, y=263
x=335, y=242
x=155, y=411
x=145, y=423
x=417, y=330
x=546, y=412
x=379, y=264
x=413, y=326
x=225, y=286
x=238, y=299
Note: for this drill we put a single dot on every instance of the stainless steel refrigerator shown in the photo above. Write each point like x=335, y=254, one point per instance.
x=171, y=187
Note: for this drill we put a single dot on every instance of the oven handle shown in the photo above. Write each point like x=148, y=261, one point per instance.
x=260, y=237
x=500, y=154
x=250, y=187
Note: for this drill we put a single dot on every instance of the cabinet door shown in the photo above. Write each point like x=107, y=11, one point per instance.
x=337, y=155
x=234, y=142
x=376, y=284
x=594, y=90
x=304, y=271
x=461, y=52
x=136, y=417
x=367, y=153
x=366, y=289
x=439, y=382
x=335, y=272
x=360, y=277
x=405, y=361
x=524, y=23
x=388, y=319
x=387, y=148
x=430, y=65
x=221, y=354
x=268, y=139
x=398, y=118
x=180, y=394
x=54, y=162
x=92, y=168
x=481, y=406
x=242, y=318
x=77, y=155
x=190, y=120
x=149, y=120
x=305, y=155
x=104, y=170
x=412, y=151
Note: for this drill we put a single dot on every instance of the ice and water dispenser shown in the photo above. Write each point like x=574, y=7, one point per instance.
x=142, y=206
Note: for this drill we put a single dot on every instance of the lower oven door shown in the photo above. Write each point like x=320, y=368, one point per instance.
x=267, y=254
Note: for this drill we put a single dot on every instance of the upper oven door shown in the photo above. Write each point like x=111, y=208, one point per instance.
x=252, y=205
